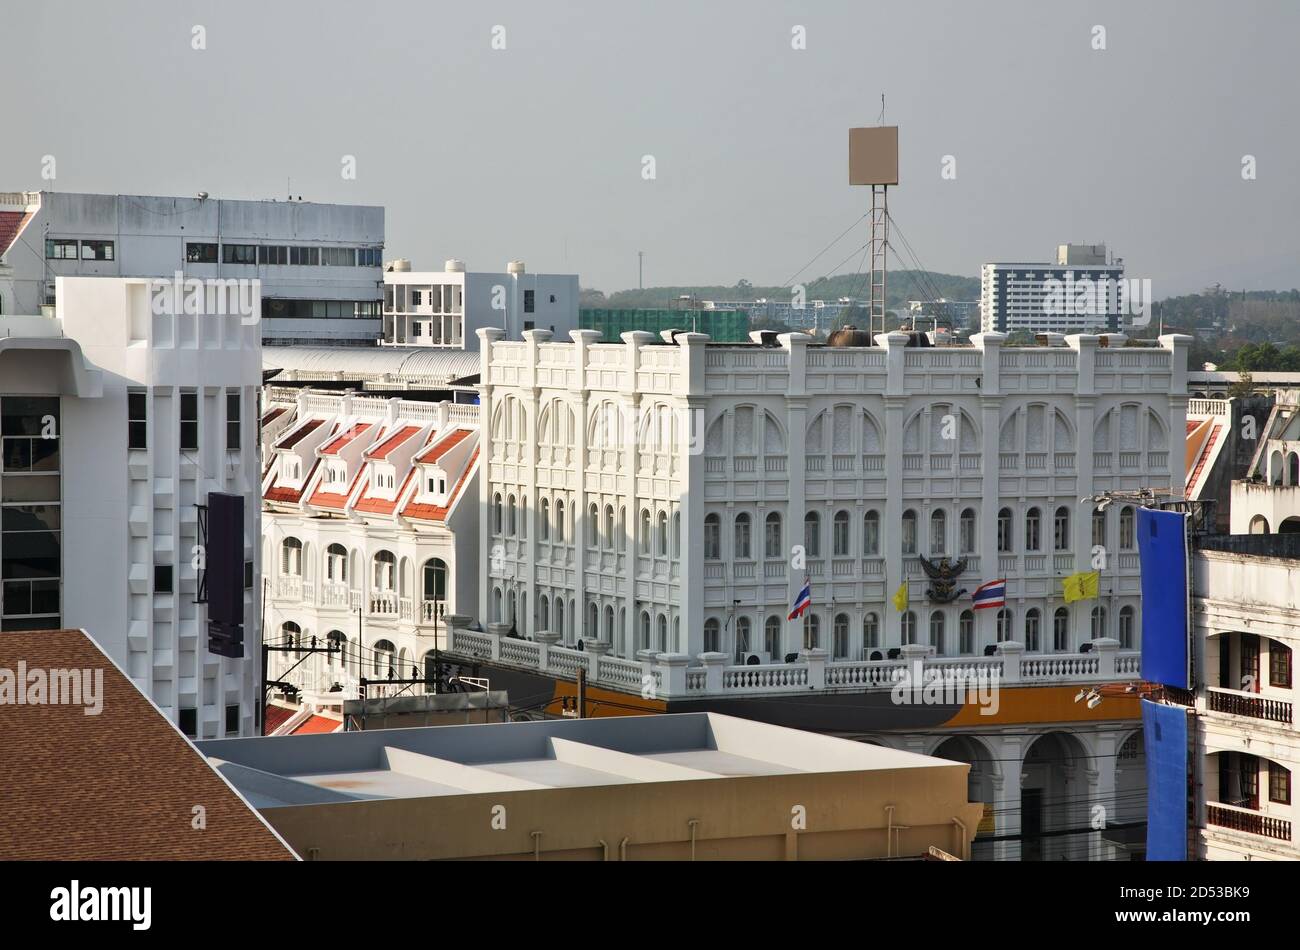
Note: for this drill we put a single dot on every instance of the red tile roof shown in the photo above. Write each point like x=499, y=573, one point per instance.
x=120, y=785
x=338, y=442
x=276, y=716
x=427, y=512
x=1204, y=456
x=11, y=223
x=339, y=500
x=382, y=506
x=317, y=724
x=392, y=442
x=1193, y=425
x=272, y=414
x=290, y=495
x=300, y=433
x=439, y=449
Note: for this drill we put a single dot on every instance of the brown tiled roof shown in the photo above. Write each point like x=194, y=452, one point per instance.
x=121, y=785
x=442, y=447
x=11, y=223
x=392, y=442
x=338, y=442
x=300, y=433
x=426, y=512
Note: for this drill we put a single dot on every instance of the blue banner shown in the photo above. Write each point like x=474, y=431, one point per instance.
x=1162, y=548
x=1164, y=729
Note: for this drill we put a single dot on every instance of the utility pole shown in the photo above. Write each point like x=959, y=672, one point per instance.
x=267, y=683
x=582, y=692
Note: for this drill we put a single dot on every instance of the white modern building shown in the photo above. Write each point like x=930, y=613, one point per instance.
x=370, y=531
x=673, y=498
x=120, y=415
x=447, y=308
x=1080, y=293
x=1246, y=624
x=320, y=265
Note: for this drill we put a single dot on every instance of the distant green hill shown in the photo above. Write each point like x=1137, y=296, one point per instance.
x=902, y=286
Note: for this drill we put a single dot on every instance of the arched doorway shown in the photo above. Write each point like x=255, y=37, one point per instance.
x=1054, y=800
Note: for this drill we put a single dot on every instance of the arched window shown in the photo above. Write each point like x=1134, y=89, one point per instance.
x=909, y=532
x=559, y=522
x=1061, y=529
x=812, y=534
x=871, y=533
x=645, y=530
x=1126, y=533
x=1004, y=625
x=840, y=637
x=383, y=659
x=677, y=534
x=1033, y=530
x=498, y=611
x=559, y=619
x=622, y=529
x=938, y=533
x=1061, y=630
x=812, y=630
x=1098, y=528
x=840, y=534
x=772, y=638
x=1126, y=625
x=292, y=634
x=1098, y=622
x=609, y=527
x=966, y=632
x=743, y=645
x=543, y=612
x=593, y=526
x=510, y=516
x=1032, y=623
x=937, y=623
x=663, y=633
x=545, y=519
x=712, y=636
x=742, y=536
x=772, y=543
x=336, y=564
x=870, y=631
x=435, y=579
x=592, y=630
x=712, y=537
x=291, y=557
x=607, y=634
x=1004, y=531
x=385, y=571
x=496, y=513
x=645, y=630
x=966, y=532
x=661, y=534
x=907, y=627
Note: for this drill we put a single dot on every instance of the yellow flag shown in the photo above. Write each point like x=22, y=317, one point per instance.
x=1081, y=586
x=900, y=597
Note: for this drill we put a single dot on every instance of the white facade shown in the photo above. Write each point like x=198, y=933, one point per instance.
x=152, y=412
x=1267, y=500
x=447, y=308
x=687, y=473
x=1053, y=298
x=319, y=264
x=370, y=533
x=1247, y=629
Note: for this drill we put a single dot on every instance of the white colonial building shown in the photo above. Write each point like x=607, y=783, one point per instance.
x=120, y=415
x=1246, y=626
x=669, y=492
x=370, y=533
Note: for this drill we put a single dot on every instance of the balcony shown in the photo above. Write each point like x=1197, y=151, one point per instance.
x=1248, y=821
x=383, y=604
x=1251, y=705
x=289, y=587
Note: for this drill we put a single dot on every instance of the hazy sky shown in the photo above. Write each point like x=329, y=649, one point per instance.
x=535, y=151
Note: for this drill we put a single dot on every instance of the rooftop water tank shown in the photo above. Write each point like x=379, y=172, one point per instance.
x=401, y=265
x=454, y=266
x=515, y=267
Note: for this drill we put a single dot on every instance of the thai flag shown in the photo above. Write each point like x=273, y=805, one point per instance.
x=802, y=602
x=992, y=594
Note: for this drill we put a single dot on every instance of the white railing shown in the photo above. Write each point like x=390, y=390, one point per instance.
x=711, y=674
x=1207, y=407
x=383, y=603
x=289, y=587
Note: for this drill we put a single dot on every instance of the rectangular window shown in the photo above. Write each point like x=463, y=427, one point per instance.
x=338, y=256
x=60, y=249
x=529, y=301
x=239, y=253
x=369, y=256
x=232, y=719
x=97, y=250
x=273, y=254
x=162, y=578
x=200, y=253
x=1279, y=665
x=137, y=420
x=189, y=422
x=1279, y=783
x=189, y=722
x=232, y=421
x=248, y=575
x=304, y=256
